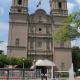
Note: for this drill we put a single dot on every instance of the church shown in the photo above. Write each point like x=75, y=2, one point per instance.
x=32, y=35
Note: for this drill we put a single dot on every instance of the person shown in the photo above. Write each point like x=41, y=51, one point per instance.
x=44, y=73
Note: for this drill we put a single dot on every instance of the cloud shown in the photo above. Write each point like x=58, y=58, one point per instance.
x=4, y=5
x=78, y=2
x=70, y=6
x=3, y=46
x=73, y=5
x=3, y=35
x=73, y=43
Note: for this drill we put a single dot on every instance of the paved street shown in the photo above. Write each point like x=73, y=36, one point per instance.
x=39, y=79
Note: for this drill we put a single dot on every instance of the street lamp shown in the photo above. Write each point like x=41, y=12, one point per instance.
x=23, y=63
x=23, y=68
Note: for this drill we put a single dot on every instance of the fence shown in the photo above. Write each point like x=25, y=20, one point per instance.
x=22, y=74
x=17, y=74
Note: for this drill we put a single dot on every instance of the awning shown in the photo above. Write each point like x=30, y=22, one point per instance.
x=44, y=63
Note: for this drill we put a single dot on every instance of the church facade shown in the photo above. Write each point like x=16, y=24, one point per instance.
x=31, y=35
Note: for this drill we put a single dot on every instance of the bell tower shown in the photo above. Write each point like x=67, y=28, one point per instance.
x=58, y=7
x=19, y=6
x=18, y=26
x=62, y=51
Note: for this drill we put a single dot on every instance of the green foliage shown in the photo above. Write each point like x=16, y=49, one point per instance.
x=26, y=61
x=76, y=58
x=69, y=30
x=4, y=60
x=1, y=51
x=11, y=61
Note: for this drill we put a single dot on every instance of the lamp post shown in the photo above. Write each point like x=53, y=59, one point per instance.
x=23, y=63
x=23, y=68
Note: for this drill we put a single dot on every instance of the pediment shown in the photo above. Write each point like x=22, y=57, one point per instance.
x=40, y=15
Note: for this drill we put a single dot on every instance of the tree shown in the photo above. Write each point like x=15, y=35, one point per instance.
x=76, y=58
x=27, y=62
x=11, y=61
x=69, y=30
x=2, y=60
x=1, y=51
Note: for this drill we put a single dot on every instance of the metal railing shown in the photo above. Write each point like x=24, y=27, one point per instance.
x=17, y=74
x=23, y=74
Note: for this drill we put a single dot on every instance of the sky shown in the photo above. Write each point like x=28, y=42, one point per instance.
x=5, y=5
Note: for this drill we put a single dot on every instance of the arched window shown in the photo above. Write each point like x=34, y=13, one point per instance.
x=39, y=44
x=19, y=2
x=60, y=5
x=17, y=42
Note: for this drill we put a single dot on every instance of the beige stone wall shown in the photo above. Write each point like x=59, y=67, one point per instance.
x=18, y=29
x=18, y=52
x=62, y=56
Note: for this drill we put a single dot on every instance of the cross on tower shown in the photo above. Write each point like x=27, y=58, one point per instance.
x=39, y=4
